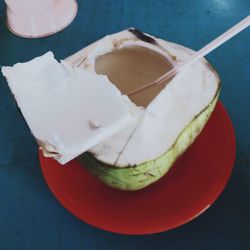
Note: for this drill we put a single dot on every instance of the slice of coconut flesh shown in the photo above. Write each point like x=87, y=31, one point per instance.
x=68, y=109
x=168, y=109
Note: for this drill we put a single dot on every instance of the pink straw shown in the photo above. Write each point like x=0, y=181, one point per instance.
x=198, y=55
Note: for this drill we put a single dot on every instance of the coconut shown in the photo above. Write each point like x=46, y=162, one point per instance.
x=170, y=117
x=80, y=105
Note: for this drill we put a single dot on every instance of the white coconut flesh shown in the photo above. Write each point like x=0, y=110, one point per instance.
x=167, y=110
x=69, y=110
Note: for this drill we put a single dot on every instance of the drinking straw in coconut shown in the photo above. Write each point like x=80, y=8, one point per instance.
x=197, y=55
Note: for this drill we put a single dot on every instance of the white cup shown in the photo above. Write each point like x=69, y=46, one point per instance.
x=39, y=18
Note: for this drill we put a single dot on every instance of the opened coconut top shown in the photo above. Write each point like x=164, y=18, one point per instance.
x=128, y=60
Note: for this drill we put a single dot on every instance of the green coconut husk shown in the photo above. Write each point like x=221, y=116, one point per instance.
x=140, y=176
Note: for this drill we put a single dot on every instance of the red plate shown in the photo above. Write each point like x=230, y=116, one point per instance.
x=190, y=187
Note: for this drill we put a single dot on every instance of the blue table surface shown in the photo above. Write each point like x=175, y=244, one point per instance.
x=31, y=217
